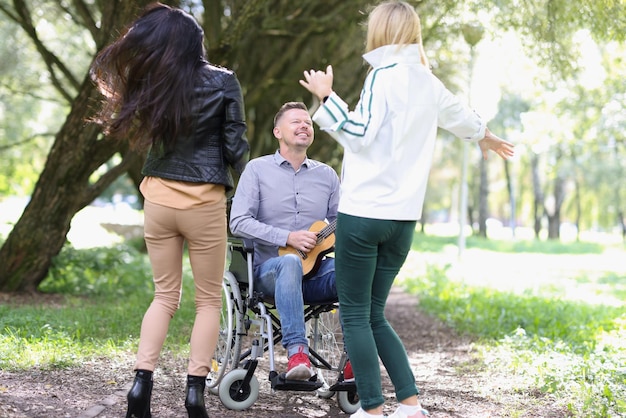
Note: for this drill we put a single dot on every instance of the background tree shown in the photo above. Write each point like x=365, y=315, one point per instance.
x=24, y=137
x=267, y=42
x=66, y=184
x=508, y=123
x=242, y=34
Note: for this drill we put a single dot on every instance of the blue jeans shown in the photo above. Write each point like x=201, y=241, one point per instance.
x=281, y=278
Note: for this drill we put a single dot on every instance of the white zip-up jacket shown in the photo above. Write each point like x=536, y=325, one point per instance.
x=389, y=138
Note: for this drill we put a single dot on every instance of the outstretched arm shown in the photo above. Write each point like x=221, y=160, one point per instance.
x=496, y=144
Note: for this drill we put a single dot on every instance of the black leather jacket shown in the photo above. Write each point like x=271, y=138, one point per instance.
x=218, y=138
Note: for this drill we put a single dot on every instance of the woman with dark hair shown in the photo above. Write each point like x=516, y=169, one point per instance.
x=162, y=95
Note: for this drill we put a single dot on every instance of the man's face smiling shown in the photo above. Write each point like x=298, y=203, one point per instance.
x=295, y=129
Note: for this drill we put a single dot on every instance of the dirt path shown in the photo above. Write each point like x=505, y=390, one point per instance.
x=452, y=381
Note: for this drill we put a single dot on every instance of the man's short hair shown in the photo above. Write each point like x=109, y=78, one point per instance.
x=288, y=106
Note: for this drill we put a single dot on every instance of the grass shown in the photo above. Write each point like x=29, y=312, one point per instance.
x=553, y=314
x=106, y=292
x=438, y=243
x=565, y=344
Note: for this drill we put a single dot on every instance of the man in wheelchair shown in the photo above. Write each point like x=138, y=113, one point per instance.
x=283, y=203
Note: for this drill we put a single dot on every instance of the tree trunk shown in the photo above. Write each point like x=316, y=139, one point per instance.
x=473, y=197
x=554, y=218
x=538, y=200
x=134, y=173
x=511, y=190
x=470, y=216
x=62, y=190
x=249, y=35
x=64, y=185
x=483, y=196
x=618, y=192
x=554, y=223
x=579, y=209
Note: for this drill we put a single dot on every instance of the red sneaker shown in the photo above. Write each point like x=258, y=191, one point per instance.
x=299, y=367
x=348, y=374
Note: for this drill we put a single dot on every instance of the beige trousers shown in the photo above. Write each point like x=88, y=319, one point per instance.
x=166, y=230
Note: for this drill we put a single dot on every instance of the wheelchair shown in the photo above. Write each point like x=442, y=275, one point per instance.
x=249, y=317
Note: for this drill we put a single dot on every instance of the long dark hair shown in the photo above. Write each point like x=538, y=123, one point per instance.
x=147, y=77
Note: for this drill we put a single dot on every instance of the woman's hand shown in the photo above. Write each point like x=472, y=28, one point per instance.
x=319, y=83
x=496, y=144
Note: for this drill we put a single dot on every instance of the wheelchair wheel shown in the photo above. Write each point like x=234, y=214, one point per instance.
x=228, y=349
x=236, y=395
x=348, y=401
x=326, y=338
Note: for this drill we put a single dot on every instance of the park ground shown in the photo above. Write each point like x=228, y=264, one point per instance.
x=449, y=372
x=451, y=369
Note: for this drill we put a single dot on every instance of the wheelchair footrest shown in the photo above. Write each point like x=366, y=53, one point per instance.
x=343, y=387
x=280, y=383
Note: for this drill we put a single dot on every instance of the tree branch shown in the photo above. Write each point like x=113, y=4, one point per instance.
x=25, y=140
x=7, y=12
x=83, y=17
x=51, y=60
x=96, y=189
x=86, y=18
x=27, y=91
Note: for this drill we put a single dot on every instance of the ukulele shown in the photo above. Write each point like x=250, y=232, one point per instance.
x=325, y=244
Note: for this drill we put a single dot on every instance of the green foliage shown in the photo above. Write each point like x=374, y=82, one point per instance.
x=30, y=112
x=493, y=314
x=269, y=57
x=106, y=293
x=548, y=26
x=571, y=349
x=437, y=243
x=114, y=271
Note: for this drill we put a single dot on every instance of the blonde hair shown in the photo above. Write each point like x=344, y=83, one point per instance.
x=394, y=23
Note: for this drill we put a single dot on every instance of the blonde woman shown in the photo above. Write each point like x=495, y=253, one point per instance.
x=388, y=142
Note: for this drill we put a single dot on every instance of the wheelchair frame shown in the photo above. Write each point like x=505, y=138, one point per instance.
x=243, y=309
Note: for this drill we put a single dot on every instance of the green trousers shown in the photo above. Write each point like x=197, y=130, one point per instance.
x=368, y=255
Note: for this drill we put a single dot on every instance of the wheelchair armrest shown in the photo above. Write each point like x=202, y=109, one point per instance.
x=246, y=244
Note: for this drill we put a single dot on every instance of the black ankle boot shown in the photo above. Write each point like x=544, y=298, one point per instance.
x=139, y=396
x=195, y=397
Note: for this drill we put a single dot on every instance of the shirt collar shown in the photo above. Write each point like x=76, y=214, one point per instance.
x=279, y=159
x=391, y=54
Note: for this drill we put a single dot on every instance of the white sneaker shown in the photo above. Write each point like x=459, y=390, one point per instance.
x=362, y=414
x=422, y=413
